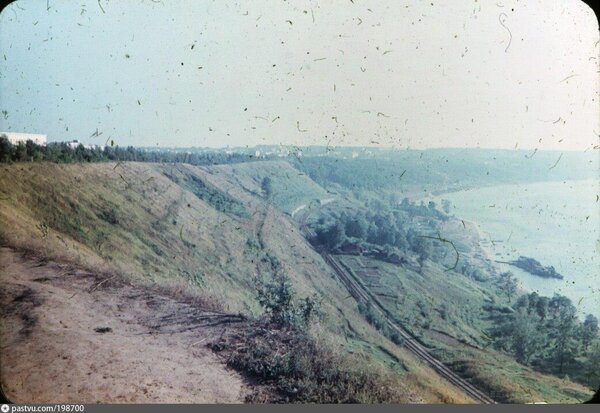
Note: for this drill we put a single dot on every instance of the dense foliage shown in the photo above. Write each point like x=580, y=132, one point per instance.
x=442, y=169
x=63, y=153
x=547, y=334
x=393, y=231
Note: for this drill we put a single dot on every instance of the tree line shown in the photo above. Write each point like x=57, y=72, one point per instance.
x=393, y=230
x=547, y=334
x=436, y=169
x=63, y=153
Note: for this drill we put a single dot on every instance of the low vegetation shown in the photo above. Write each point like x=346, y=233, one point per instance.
x=281, y=353
x=452, y=315
x=218, y=199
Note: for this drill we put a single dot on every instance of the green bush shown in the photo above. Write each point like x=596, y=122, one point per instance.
x=280, y=352
x=218, y=199
x=276, y=296
x=299, y=370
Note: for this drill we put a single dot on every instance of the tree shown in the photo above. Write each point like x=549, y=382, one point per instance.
x=357, y=227
x=335, y=235
x=591, y=370
x=276, y=298
x=6, y=149
x=33, y=152
x=423, y=246
x=521, y=333
x=387, y=230
x=541, y=307
x=508, y=284
x=267, y=187
x=21, y=152
x=372, y=233
x=526, y=339
x=401, y=241
x=589, y=331
x=562, y=330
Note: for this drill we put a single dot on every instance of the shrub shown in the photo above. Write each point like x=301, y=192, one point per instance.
x=300, y=370
x=109, y=215
x=277, y=298
x=280, y=352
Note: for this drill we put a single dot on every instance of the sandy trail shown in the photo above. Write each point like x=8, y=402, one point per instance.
x=53, y=349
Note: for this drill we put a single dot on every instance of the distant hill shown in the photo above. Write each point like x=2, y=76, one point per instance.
x=443, y=170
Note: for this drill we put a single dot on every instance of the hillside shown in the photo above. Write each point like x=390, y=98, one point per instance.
x=436, y=171
x=291, y=188
x=448, y=314
x=175, y=229
x=202, y=239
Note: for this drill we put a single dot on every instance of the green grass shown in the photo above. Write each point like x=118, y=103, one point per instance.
x=133, y=219
x=445, y=310
x=291, y=188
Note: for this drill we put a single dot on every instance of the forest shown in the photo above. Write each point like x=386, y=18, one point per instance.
x=547, y=334
x=405, y=232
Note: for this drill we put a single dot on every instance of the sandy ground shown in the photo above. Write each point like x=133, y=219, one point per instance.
x=54, y=350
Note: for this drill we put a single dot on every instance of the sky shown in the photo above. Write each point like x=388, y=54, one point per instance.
x=414, y=74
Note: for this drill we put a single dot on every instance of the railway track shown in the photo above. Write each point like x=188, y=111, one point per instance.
x=361, y=294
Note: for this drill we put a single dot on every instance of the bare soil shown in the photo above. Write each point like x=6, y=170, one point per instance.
x=73, y=336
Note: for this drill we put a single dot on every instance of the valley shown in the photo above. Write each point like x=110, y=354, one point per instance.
x=172, y=256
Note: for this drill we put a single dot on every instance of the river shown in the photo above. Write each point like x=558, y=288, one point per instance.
x=557, y=223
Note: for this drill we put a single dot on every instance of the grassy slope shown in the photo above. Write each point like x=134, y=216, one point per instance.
x=445, y=310
x=463, y=298
x=133, y=220
x=291, y=187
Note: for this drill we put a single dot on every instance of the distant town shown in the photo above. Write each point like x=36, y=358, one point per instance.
x=15, y=138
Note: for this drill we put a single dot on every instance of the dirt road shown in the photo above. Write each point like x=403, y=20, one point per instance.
x=70, y=336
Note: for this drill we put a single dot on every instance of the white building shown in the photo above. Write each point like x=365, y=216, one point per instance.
x=75, y=143
x=15, y=138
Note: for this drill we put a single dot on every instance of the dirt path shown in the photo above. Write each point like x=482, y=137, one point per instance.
x=66, y=338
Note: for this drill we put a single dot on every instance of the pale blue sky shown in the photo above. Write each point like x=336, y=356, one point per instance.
x=303, y=72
